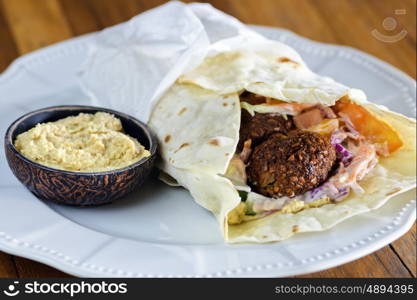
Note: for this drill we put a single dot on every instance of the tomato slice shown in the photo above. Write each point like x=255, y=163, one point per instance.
x=377, y=131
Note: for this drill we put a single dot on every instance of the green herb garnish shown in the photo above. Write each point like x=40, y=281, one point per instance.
x=243, y=195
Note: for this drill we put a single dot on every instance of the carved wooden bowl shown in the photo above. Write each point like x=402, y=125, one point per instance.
x=79, y=188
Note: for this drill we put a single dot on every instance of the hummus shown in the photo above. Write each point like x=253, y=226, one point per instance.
x=83, y=143
x=239, y=213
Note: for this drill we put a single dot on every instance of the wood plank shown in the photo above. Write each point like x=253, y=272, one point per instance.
x=404, y=49
x=405, y=248
x=388, y=8
x=8, y=49
x=87, y=16
x=281, y=14
x=341, y=17
x=35, y=24
x=383, y=263
x=80, y=17
x=109, y=12
x=7, y=267
x=31, y=269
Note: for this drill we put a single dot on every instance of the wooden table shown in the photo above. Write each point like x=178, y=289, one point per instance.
x=26, y=25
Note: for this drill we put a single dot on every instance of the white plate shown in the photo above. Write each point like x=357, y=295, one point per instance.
x=159, y=231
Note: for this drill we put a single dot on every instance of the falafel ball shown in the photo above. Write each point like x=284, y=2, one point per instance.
x=260, y=126
x=252, y=98
x=290, y=165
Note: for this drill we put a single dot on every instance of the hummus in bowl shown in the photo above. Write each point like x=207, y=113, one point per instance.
x=80, y=155
x=84, y=143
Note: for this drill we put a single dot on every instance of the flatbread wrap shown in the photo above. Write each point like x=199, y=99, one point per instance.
x=273, y=149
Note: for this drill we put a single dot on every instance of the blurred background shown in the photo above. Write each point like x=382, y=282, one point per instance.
x=26, y=25
x=383, y=28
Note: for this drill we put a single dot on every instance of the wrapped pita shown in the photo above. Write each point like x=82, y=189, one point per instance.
x=198, y=120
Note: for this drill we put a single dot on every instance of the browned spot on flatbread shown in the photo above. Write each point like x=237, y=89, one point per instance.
x=183, y=110
x=226, y=154
x=295, y=228
x=182, y=146
x=394, y=191
x=284, y=59
x=225, y=104
x=167, y=138
x=214, y=142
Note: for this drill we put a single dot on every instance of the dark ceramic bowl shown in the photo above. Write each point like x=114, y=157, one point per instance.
x=78, y=188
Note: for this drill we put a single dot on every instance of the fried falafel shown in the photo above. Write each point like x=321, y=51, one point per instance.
x=261, y=126
x=290, y=165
